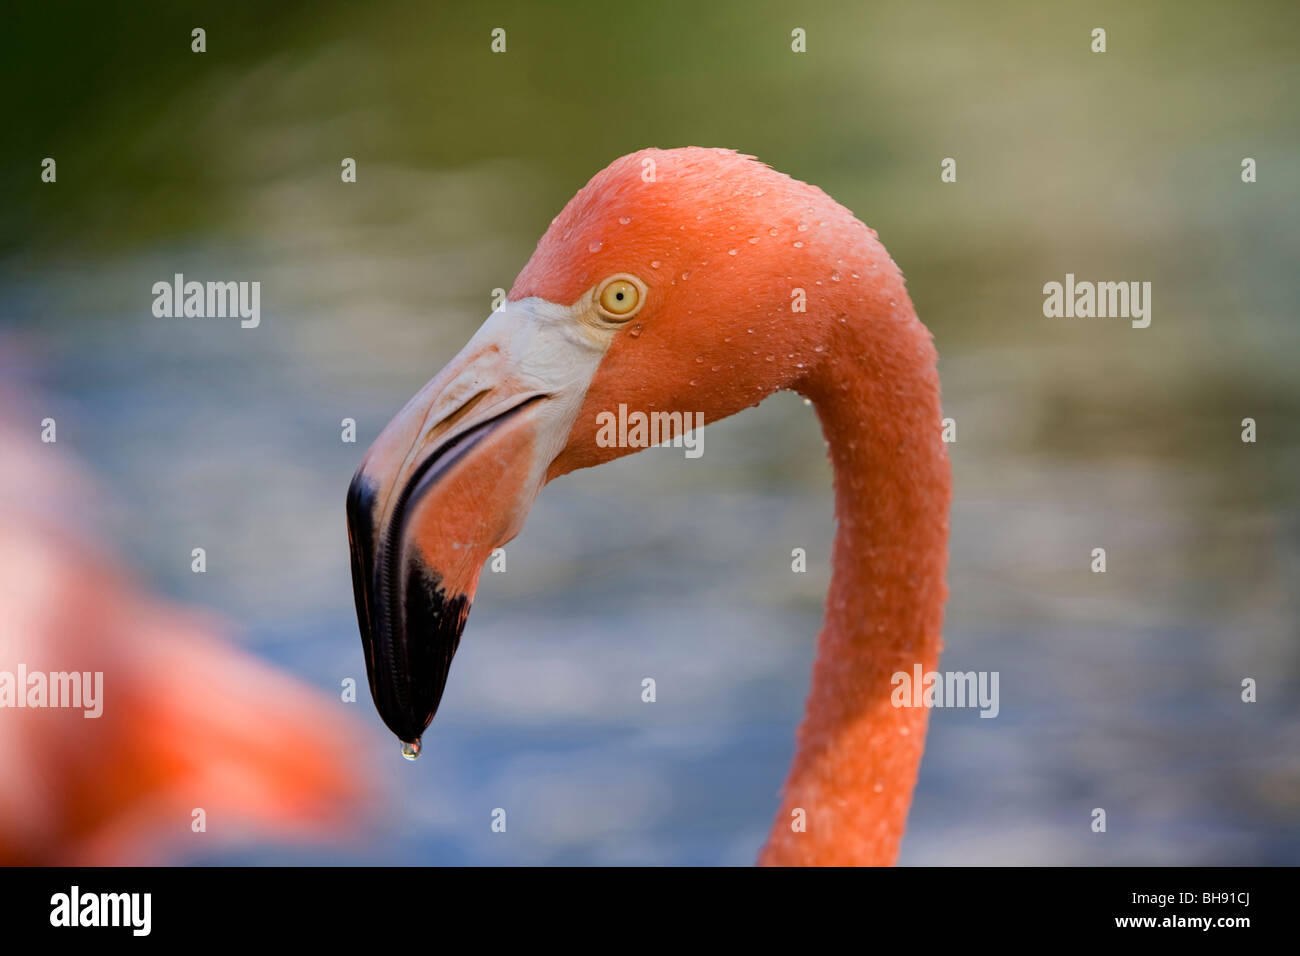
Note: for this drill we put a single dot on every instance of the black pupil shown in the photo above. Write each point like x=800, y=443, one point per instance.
x=619, y=296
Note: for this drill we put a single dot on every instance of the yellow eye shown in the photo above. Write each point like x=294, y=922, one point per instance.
x=620, y=297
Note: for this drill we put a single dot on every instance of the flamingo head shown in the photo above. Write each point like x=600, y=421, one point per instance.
x=671, y=283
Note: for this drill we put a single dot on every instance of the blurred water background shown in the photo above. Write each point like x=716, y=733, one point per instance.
x=1118, y=690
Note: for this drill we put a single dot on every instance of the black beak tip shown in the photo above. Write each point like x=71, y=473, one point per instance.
x=410, y=626
x=427, y=638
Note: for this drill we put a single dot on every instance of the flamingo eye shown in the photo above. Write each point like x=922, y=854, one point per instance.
x=620, y=297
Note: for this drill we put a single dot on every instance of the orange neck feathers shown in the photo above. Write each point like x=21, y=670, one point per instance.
x=857, y=756
x=759, y=282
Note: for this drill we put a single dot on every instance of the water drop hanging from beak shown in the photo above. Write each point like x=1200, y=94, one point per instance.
x=411, y=748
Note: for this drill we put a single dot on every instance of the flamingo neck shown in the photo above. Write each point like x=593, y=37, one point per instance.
x=857, y=755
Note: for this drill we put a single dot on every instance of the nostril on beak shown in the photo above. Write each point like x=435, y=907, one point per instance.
x=448, y=421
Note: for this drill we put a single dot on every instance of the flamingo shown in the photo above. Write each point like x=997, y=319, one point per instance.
x=673, y=282
x=186, y=721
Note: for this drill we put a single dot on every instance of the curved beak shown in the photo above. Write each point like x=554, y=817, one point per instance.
x=451, y=478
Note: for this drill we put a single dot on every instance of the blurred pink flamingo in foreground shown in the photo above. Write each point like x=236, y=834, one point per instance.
x=188, y=721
